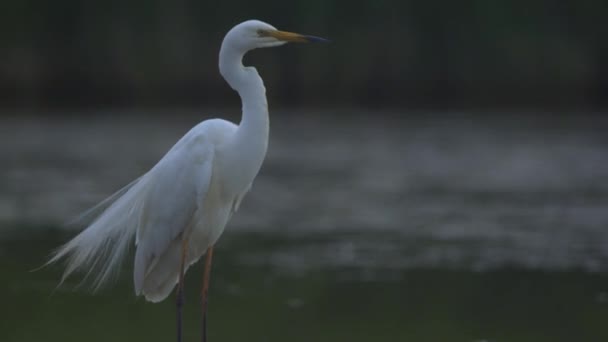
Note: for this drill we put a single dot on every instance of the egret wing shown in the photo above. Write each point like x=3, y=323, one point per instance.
x=177, y=185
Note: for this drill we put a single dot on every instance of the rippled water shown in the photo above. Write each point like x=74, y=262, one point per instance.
x=392, y=190
x=418, y=227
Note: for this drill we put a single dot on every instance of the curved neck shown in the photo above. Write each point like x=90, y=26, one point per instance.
x=251, y=138
x=247, y=83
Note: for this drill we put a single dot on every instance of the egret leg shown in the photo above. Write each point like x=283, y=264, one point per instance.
x=205, y=291
x=180, y=290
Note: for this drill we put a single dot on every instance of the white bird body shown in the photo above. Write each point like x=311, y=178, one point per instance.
x=197, y=159
x=188, y=197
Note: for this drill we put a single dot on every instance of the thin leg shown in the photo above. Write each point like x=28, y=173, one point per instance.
x=205, y=291
x=180, y=290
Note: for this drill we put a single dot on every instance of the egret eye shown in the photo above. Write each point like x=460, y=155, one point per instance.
x=262, y=33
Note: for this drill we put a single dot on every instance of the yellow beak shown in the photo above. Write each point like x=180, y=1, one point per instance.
x=296, y=37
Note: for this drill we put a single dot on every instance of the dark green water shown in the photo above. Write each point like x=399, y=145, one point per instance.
x=264, y=303
x=447, y=227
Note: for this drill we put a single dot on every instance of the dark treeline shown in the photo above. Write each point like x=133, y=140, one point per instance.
x=384, y=53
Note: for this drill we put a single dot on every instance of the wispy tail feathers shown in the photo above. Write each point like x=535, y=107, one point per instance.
x=101, y=247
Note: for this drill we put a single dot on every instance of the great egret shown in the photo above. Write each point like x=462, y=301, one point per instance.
x=178, y=209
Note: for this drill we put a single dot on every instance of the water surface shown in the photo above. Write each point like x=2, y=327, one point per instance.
x=361, y=226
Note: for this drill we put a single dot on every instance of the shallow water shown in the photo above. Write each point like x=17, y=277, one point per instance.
x=384, y=226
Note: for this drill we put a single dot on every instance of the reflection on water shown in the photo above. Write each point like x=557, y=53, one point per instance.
x=383, y=227
x=461, y=191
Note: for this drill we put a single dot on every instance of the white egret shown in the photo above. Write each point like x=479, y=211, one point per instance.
x=178, y=209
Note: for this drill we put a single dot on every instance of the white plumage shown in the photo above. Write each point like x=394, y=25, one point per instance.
x=179, y=196
x=191, y=193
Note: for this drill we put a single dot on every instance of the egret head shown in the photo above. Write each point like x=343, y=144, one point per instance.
x=253, y=34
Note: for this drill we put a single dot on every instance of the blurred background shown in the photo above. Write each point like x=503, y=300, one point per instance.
x=438, y=172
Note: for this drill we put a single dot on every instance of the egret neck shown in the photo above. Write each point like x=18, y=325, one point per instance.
x=251, y=138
